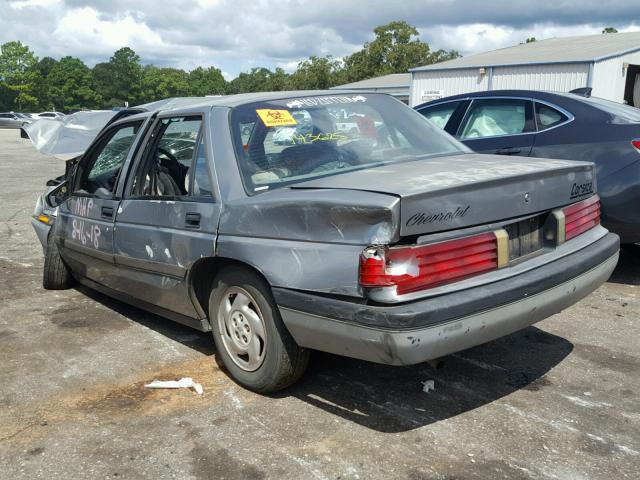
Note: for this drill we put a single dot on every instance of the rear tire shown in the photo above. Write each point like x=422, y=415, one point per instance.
x=251, y=340
x=56, y=275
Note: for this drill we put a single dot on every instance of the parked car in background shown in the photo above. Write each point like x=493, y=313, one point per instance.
x=13, y=120
x=556, y=125
x=396, y=245
x=50, y=115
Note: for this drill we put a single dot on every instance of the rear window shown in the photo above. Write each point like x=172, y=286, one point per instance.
x=288, y=141
x=621, y=113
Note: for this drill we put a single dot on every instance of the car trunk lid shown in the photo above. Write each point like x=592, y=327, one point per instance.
x=445, y=193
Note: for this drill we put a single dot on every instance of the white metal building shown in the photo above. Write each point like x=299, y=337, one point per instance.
x=396, y=84
x=609, y=63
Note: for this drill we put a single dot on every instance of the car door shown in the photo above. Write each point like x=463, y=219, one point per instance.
x=169, y=216
x=503, y=126
x=7, y=120
x=87, y=217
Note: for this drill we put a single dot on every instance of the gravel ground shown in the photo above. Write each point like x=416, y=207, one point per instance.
x=555, y=401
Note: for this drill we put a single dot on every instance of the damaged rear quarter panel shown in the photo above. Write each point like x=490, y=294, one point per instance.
x=308, y=239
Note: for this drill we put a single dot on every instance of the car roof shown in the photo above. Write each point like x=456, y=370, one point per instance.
x=240, y=99
x=492, y=93
x=534, y=94
x=195, y=104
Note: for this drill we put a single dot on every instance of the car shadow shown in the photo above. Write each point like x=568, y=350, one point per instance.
x=391, y=399
x=195, y=339
x=628, y=269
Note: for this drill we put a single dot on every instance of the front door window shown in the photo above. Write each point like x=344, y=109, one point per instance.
x=104, y=164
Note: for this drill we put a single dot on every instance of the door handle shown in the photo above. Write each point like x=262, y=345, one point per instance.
x=192, y=220
x=508, y=151
x=107, y=212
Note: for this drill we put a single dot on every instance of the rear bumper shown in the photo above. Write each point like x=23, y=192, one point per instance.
x=419, y=331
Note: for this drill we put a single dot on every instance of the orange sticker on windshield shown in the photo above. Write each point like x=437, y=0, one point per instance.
x=276, y=118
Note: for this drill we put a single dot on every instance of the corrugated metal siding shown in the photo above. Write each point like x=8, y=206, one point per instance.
x=448, y=82
x=558, y=77
x=609, y=77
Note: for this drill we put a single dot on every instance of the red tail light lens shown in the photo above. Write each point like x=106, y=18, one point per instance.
x=636, y=144
x=581, y=216
x=415, y=268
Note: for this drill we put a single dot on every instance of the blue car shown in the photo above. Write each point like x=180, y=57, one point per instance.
x=556, y=125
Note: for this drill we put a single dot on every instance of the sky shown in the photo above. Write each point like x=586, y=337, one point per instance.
x=235, y=35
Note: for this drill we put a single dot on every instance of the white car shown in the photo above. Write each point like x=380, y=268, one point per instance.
x=50, y=115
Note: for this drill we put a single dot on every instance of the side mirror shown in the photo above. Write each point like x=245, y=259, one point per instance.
x=53, y=182
x=58, y=195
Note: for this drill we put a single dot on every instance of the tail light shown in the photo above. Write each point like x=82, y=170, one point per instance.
x=636, y=144
x=581, y=216
x=415, y=268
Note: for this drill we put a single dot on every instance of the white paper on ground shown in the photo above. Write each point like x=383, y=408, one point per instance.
x=182, y=383
x=428, y=386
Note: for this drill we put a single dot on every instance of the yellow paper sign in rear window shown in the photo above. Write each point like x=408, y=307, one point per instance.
x=276, y=118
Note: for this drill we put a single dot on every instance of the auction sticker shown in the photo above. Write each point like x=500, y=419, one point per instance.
x=276, y=118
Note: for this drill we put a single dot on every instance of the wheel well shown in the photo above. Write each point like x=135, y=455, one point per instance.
x=203, y=272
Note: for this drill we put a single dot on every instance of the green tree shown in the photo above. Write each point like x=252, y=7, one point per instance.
x=278, y=80
x=159, y=83
x=206, y=81
x=125, y=76
x=257, y=80
x=18, y=77
x=609, y=30
x=395, y=49
x=103, y=83
x=43, y=69
x=530, y=40
x=71, y=86
x=316, y=73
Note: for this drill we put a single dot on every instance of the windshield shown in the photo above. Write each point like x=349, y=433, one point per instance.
x=288, y=141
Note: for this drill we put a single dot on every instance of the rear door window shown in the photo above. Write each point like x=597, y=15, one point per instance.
x=548, y=117
x=200, y=179
x=497, y=117
x=440, y=114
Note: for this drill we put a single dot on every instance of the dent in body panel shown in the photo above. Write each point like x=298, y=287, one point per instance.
x=308, y=239
x=154, y=249
x=317, y=215
x=313, y=266
x=154, y=231
x=439, y=194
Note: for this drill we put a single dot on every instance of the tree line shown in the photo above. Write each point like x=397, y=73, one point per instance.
x=28, y=83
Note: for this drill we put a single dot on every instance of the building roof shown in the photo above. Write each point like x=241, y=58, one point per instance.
x=394, y=80
x=584, y=49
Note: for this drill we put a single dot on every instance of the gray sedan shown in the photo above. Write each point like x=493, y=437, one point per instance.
x=395, y=244
x=13, y=120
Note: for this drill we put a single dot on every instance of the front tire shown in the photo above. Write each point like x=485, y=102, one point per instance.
x=56, y=275
x=251, y=340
